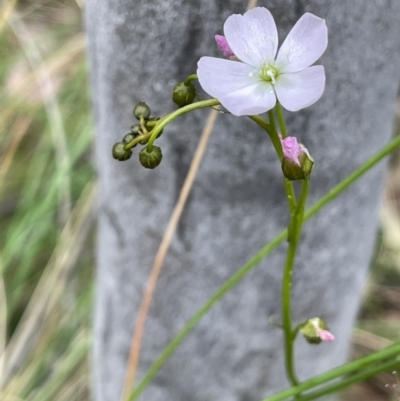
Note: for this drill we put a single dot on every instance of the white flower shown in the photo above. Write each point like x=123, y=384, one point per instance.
x=252, y=85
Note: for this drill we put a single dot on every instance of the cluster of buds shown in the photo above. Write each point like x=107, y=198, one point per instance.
x=123, y=150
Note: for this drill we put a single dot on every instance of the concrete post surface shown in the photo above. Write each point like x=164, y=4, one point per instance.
x=138, y=50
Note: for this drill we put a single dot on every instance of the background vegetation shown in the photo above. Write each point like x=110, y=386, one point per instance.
x=47, y=204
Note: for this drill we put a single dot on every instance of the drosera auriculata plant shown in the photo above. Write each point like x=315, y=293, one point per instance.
x=255, y=78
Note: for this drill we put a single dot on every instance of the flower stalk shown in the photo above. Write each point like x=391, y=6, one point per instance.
x=294, y=235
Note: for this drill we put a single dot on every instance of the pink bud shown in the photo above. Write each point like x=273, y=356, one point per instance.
x=223, y=46
x=291, y=149
x=325, y=335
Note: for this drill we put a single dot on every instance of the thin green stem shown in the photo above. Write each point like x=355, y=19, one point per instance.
x=281, y=119
x=348, y=368
x=227, y=286
x=355, y=378
x=273, y=134
x=190, y=78
x=246, y=268
x=294, y=235
x=151, y=136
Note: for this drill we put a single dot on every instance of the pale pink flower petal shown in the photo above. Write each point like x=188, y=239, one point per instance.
x=298, y=90
x=304, y=44
x=253, y=37
x=291, y=149
x=223, y=46
x=325, y=335
x=235, y=86
x=250, y=100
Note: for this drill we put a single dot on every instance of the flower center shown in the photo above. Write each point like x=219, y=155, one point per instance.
x=269, y=73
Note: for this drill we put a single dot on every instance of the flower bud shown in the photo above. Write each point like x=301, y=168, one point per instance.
x=141, y=110
x=135, y=129
x=315, y=330
x=120, y=153
x=223, y=46
x=183, y=94
x=129, y=138
x=150, y=159
x=297, y=163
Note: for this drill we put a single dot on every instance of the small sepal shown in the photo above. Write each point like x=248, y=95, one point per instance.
x=183, y=94
x=150, y=159
x=315, y=331
x=120, y=153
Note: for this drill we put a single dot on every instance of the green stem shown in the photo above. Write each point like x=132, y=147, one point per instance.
x=273, y=134
x=227, y=286
x=294, y=235
x=345, y=369
x=189, y=79
x=168, y=119
x=281, y=119
x=246, y=268
x=355, y=378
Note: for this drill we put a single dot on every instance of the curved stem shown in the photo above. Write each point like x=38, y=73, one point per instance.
x=294, y=235
x=189, y=79
x=151, y=136
x=247, y=267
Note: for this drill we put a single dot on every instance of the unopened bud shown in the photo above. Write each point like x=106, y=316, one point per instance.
x=141, y=110
x=120, y=153
x=150, y=159
x=297, y=163
x=315, y=330
x=129, y=138
x=135, y=129
x=183, y=94
x=223, y=46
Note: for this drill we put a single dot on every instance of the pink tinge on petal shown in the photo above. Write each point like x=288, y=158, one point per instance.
x=223, y=46
x=325, y=335
x=291, y=149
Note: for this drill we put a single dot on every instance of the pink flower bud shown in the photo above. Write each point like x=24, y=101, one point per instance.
x=325, y=335
x=223, y=46
x=297, y=163
x=291, y=149
x=315, y=331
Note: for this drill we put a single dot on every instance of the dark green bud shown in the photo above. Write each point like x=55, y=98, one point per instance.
x=120, y=153
x=141, y=110
x=135, y=129
x=129, y=138
x=183, y=94
x=150, y=159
